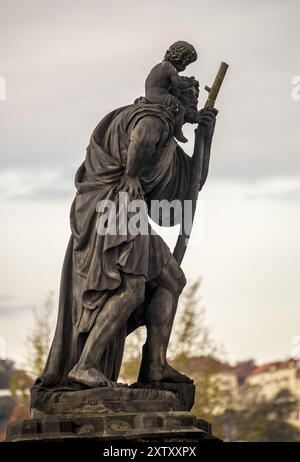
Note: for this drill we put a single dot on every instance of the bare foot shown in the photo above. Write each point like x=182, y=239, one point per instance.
x=91, y=376
x=165, y=374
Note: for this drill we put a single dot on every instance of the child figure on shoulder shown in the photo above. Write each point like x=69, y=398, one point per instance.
x=165, y=76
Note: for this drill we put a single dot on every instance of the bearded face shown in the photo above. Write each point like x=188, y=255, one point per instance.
x=189, y=99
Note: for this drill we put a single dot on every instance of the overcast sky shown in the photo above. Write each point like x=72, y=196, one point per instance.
x=68, y=63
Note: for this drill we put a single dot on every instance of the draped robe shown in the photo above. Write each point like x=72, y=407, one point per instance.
x=94, y=263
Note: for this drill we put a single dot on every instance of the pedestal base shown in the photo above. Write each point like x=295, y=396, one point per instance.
x=146, y=426
x=137, y=398
x=143, y=412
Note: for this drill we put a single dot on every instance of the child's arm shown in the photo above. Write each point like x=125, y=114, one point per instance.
x=177, y=80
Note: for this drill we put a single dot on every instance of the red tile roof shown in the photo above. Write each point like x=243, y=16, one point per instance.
x=268, y=367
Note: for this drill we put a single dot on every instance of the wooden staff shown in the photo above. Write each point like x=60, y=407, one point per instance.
x=197, y=165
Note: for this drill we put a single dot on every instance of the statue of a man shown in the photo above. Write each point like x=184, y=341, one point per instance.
x=112, y=284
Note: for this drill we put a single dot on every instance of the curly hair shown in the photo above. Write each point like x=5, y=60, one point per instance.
x=181, y=51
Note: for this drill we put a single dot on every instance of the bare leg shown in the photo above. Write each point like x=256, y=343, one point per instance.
x=179, y=120
x=107, y=325
x=159, y=321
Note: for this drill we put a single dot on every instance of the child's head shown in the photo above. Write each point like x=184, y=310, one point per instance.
x=181, y=54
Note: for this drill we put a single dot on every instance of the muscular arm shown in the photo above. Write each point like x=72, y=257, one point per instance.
x=208, y=121
x=143, y=140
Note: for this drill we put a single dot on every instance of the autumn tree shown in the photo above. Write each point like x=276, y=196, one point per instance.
x=38, y=339
x=132, y=355
x=191, y=336
x=268, y=420
x=37, y=343
x=20, y=383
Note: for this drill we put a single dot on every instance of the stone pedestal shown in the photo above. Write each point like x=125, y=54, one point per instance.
x=143, y=426
x=140, y=412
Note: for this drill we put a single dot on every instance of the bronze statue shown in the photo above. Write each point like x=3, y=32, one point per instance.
x=113, y=283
